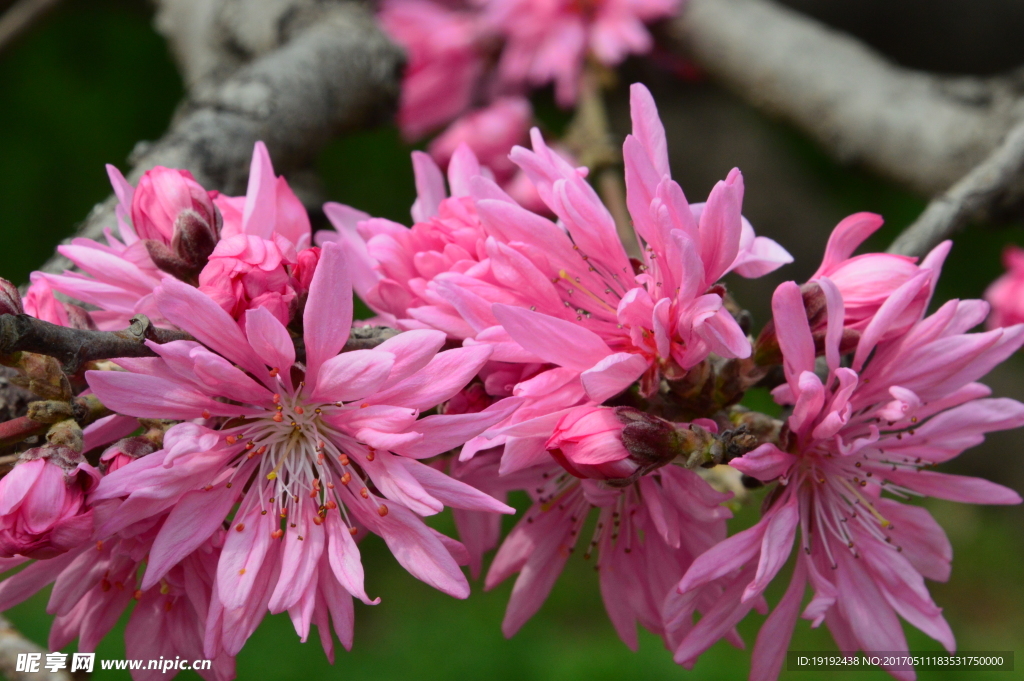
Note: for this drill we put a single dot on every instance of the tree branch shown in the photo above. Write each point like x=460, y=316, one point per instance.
x=19, y=18
x=923, y=130
x=74, y=347
x=993, y=190
x=12, y=642
x=325, y=67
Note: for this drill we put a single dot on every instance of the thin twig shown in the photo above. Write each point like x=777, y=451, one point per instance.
x=13, y=643
x=993, y=190
x=20, y=16
x=74, y=347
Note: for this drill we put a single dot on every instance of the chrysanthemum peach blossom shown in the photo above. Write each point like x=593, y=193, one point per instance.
x=906, y=403
x=311, y=452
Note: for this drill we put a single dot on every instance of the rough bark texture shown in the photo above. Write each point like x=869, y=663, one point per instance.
x=923, y=130
x=74, y=347
x=293, y=74
x=992, y=191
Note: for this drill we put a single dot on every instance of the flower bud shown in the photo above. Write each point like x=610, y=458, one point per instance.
x=10, y=299
x=587, y=442
x=161, y=196
x=43, y=512
x=124, y=451
x=195, y=237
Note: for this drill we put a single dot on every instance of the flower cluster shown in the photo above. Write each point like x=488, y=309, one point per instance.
x=232, y=471
x=472, y=63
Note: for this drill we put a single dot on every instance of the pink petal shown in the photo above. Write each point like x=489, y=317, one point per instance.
x=188, y=308
x=260, y=212
x=269, y=339
x=612, y=375
x=773, y=638
x=765, y=463
x=327, y=319
x=445, y=374
x=553, y=340
x=343, y=555
x=352, y=375
x=442, y=432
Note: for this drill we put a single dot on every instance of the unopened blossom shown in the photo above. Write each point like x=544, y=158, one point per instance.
x=866, y=432
x=587, y=441
x=301, y=457
x=547, y=41
x=444, y=64
x=1006, y=294
x=94, y=584
x=119, y=277
x=43, y=510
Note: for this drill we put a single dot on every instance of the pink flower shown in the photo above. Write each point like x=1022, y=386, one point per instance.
x=246, y=272
x=1006, y=295
x=394, y=266
x=444, y=61
x=906, y=403
x=547, y=41
x=323, y=449
x=866, y=281
x=42, y=504
x=490, y=133
x=94, y=583
x=646, y=536
x=119, y=277
x=567, y=295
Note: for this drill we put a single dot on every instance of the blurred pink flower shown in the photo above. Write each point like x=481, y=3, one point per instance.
x=42, y=503
x=906, y=403
x=119, y=277
x=41, y=303
x=1006, y=294
x=490, y=133
x=444, y=61
x=313, y=441
x=548, y=40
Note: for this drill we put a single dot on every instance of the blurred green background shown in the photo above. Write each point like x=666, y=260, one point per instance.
x=94, y=79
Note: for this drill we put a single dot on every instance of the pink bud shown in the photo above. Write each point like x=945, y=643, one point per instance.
x=587, y=442
x=123, y=452
x=43, y=510
x=161, y=196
